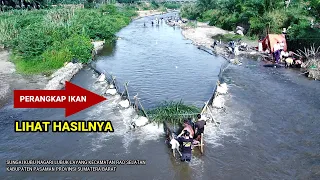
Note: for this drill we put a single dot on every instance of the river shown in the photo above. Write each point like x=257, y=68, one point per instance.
x=269, y=129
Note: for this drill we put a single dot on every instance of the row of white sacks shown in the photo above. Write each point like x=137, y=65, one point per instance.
x=137, y=122
x=218, y=101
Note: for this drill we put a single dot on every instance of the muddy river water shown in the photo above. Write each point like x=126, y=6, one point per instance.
x=269, y=129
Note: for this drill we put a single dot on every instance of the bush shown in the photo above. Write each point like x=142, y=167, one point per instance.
x=206, y=16
x=78, y=45
x=189, y=11
x=32, y=41
x=42, y=40
x=154, y=5
x=171, y=5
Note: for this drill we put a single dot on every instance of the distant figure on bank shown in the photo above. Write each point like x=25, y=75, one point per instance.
x=152, y=23
x=144, y=24
x=281, y=46
x=199, y=127
x=186, y=149
x=276, y=52
x=232, y=45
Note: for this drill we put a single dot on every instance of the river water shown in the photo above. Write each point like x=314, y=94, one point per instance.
x=269, y=129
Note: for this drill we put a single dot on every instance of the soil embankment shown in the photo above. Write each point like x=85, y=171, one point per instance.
x=145, y=13
x=10, y=80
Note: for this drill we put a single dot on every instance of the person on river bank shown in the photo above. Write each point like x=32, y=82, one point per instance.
x=276, y=52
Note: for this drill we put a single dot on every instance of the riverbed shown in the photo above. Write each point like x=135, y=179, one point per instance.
x=269, y=129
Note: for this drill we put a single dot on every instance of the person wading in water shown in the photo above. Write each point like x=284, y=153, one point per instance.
x=187, y=127
x=186, y=143
x=199, y=127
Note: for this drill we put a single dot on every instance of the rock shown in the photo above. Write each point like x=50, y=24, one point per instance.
x=101, y=78
x=240, y=32
x=111, y=92
x=111, y=86
x=124, y=103
x=141, y=121
x=239, y=28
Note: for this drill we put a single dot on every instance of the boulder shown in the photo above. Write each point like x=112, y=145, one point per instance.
x=240, y=32
x=240, y=28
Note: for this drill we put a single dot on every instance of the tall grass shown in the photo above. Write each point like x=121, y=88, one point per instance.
x=42, y=40
x=173, y=112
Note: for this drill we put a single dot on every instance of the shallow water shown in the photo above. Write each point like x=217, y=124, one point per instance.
x=269, y=129
x=160, y=64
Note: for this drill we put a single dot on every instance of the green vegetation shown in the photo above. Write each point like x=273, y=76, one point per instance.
x=260, y=17
x=173, y=112
x=171, y=5
x=42, y=40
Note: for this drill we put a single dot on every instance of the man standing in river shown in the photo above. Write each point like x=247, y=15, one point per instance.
x=199, y=127
x=186, y=149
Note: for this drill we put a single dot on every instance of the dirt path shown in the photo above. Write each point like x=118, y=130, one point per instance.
x=10, y=80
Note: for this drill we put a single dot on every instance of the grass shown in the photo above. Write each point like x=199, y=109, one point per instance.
x=191, y=24
x=43, y=40
x=173, y=112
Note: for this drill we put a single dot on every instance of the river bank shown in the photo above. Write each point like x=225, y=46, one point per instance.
x=203, y=35
x=145, y=13
x=11, y=80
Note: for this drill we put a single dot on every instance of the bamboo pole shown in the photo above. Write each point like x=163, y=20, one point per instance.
x=126, y=88
x=143, y=109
